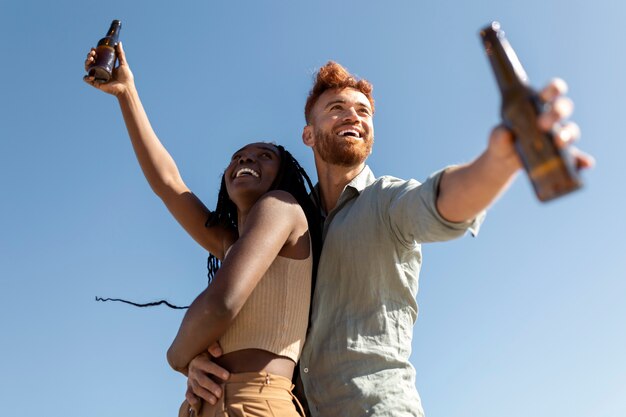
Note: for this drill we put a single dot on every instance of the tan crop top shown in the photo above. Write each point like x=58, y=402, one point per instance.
x=275, y=316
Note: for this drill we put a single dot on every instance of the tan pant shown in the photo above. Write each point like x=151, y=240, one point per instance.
x=250, y=394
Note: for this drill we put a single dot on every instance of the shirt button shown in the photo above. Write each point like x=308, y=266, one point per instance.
x=306, y=370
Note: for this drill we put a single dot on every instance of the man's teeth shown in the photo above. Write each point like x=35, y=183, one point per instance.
x=349, y=132
x=246, y=171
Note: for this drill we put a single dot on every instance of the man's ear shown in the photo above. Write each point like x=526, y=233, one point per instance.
x=307, y=136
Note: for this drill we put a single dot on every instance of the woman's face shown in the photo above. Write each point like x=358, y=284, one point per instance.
x=251, y=172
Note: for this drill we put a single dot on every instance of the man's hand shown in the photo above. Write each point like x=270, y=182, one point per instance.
x=465, y=191
x=200, y=386
x=554, y=119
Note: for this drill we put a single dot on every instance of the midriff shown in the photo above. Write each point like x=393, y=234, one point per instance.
x=256, y=360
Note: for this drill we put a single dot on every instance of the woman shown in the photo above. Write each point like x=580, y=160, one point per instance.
x=264, y=230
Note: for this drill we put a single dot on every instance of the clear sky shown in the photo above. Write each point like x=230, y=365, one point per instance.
x=526, y=319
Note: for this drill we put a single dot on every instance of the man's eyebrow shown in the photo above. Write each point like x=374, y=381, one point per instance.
x=342, y=101
x=339, y=100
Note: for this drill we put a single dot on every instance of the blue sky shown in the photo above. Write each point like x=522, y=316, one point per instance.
x=527, y=318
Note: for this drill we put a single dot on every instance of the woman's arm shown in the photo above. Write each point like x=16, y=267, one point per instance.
x=156, y=163
x=276, y=221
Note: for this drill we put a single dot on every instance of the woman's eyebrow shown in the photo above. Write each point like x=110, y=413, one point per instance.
x=268, y=147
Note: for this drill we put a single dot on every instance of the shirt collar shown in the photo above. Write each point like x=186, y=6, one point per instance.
x=365, y=178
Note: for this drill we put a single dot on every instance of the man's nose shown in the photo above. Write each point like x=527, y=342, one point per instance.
x=350, y=114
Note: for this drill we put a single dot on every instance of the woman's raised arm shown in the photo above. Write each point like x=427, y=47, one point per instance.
x=156, y=163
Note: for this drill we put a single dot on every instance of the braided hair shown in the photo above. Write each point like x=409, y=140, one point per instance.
x=291, y=178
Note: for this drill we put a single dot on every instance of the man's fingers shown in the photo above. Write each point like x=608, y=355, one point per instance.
x=207, y=394
x=582, y=159
x=187, y=410
x=553, y=119
x=200, y=369
x=207, y=366
x=561, y=108
x=215, y=350
x=566, y=134
x=212, y=368
x=556, y=87
x=200, y=381
x=502, y=130
x=194, y=401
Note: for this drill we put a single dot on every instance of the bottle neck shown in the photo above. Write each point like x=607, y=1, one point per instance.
x=507, y=68
x=113, y=35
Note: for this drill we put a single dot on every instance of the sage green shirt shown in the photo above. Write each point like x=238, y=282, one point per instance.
x=355, y=360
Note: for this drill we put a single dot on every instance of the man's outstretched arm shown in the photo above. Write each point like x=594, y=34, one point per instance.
x=466, y=190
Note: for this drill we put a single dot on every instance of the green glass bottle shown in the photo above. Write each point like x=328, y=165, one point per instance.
x=102, y=68
x=552, y=170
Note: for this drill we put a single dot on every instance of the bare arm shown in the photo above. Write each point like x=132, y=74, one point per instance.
x=275, y=221
x=156, y=163
x=467, y=190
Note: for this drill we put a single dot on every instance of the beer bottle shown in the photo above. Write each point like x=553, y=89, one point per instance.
x=102, y=68
x=551, y=169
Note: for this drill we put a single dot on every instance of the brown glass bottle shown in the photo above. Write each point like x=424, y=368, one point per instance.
x=102, y=68
x=551, y=169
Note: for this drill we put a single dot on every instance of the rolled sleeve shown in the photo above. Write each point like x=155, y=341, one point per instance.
x=432, y=186
x=413, y=214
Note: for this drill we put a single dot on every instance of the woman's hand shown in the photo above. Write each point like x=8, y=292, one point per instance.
x=122, y=78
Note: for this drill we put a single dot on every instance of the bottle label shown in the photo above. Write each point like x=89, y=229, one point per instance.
x=545, y=168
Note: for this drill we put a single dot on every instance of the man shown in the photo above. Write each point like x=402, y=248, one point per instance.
x=355, y=360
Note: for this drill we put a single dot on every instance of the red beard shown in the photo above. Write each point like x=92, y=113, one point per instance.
x=345, y=153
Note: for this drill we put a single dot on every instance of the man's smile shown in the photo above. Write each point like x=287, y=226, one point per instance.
x=351, y=132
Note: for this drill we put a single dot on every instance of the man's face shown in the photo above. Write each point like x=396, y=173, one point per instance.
x=342, y=127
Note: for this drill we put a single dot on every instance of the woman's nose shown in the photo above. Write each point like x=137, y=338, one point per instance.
x=246, y=157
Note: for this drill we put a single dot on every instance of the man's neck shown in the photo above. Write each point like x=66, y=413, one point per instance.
x=332, y=180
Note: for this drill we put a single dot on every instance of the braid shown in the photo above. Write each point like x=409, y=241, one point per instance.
x=225, y=214
x=292, y=178
x=295, y=181
x=152, y=304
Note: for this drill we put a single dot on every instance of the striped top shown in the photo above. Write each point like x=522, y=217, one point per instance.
x=276, y=315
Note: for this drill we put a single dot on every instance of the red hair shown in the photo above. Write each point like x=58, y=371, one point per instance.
x=331, y=76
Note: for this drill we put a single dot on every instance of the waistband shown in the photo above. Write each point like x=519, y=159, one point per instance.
x=257, y=385
x=259, y=378
x=247, y=387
